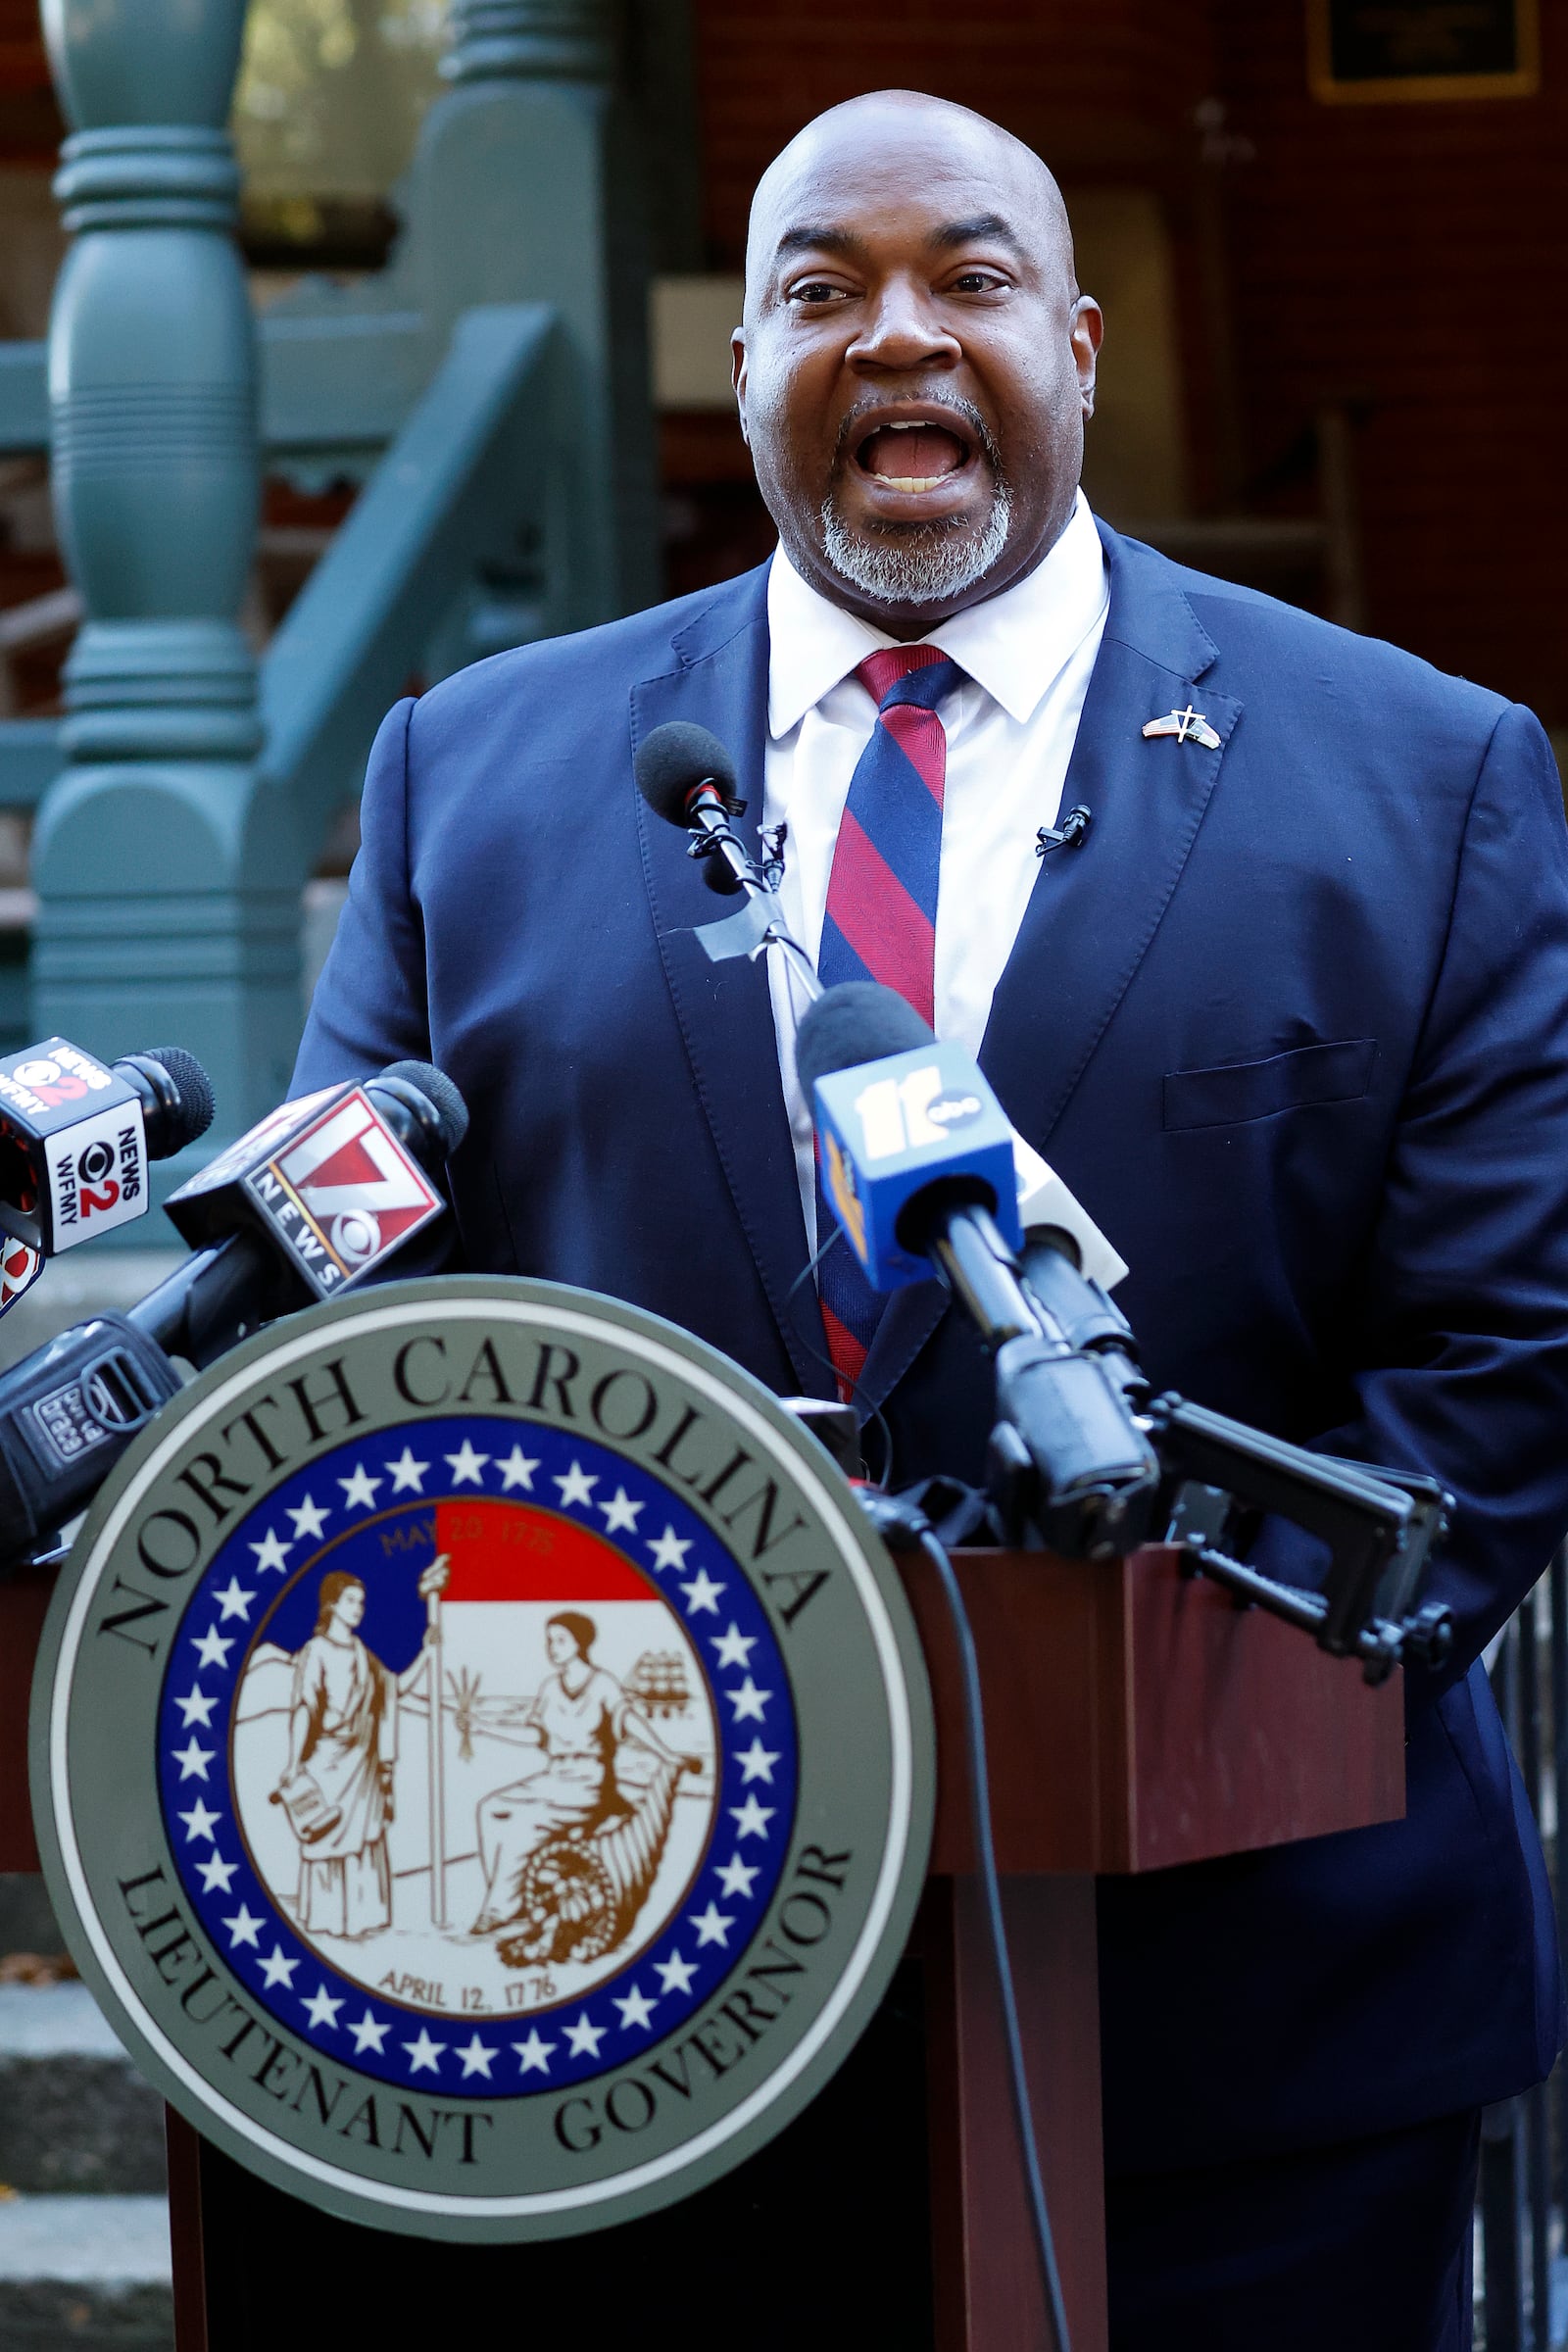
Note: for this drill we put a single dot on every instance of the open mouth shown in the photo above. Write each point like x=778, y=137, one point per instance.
x=913, y=455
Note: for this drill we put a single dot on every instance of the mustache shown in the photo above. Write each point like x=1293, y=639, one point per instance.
x=856, y=423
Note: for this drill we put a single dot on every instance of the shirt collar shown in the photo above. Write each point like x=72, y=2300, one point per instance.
x=1013, y=645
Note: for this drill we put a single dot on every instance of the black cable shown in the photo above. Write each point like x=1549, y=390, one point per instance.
x=980, y=1792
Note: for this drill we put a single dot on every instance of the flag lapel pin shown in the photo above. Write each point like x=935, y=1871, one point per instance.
x=1188, y=727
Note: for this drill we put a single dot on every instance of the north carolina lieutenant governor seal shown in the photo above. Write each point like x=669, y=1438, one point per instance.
x=1294, y=1026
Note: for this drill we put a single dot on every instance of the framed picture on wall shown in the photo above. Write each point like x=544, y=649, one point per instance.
x=1383, y=52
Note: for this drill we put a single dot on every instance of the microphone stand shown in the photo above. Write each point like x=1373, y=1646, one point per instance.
x=760, y=924
x=1061, y=1465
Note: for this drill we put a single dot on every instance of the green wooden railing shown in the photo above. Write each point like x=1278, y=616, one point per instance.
x=488, y=389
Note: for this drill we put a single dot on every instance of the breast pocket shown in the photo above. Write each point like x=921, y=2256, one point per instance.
x=1240, y=1091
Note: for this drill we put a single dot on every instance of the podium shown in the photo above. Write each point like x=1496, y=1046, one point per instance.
x=1136, y=1720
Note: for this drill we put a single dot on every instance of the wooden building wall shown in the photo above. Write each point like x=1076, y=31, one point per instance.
x=1401, y=259
x=1411, y=258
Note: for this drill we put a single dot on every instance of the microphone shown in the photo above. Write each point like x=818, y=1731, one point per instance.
x=683, y=770
x=1067, y=1443
x=680, y=766
x=879, y=1023
x=1080, y=1309
x=336, y=1181
x=1074, y=1448
x=361, y=1156
x=1048, y=1207
x=318, y=1194
x=906, y=1127
x=688, y=779
x=77, y=1133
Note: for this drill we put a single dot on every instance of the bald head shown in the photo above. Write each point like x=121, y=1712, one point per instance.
x=897, y=131
x=916, y=361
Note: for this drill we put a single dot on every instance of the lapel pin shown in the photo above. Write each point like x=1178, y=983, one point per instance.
x=1188, y=727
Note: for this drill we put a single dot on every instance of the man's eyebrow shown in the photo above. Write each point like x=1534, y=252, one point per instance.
x=814, y=239
x=982, y=228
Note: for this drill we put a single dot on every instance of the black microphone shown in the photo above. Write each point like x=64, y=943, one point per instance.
x=318, y=1194
x=1091, y=1476
x=678, y=765
x=175, y=1095
x=69, y=1411
x=688, y=778
x=77, y=1133
x=1082, y=1310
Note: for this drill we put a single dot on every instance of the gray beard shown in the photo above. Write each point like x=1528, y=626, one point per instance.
x=918, y=564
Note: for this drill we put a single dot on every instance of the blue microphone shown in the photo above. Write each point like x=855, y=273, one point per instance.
x=906, y=1127
x=1067, y=1447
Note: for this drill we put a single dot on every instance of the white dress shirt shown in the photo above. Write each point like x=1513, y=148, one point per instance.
x=1027, y=655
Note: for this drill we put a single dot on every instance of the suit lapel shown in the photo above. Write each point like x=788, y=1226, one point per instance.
x=1094, y=911
x=719, y=679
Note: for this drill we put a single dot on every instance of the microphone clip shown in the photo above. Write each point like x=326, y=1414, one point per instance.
x=1071, y=835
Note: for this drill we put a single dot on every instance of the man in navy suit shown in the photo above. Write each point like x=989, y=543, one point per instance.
x=1293, y=1024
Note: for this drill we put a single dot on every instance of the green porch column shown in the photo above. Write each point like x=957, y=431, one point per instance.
x=169, y=879
x=526, y=186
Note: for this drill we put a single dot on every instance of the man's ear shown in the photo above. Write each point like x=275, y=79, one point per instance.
x=737, y=371
x=1086, y=337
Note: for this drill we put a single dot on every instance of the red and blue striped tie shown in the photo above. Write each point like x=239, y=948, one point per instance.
x=881, y=918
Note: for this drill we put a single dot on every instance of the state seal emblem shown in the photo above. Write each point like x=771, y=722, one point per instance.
x=482, y=1759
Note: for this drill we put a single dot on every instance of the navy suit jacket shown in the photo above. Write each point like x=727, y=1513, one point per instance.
x=1293, y=1024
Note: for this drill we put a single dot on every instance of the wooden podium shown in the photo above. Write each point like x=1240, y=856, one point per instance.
x=1136, y=1719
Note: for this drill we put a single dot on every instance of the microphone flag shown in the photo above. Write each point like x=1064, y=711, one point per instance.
x=20, y=1269
x=325, y=1176
x=73, y=1148
x=890, y=1128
